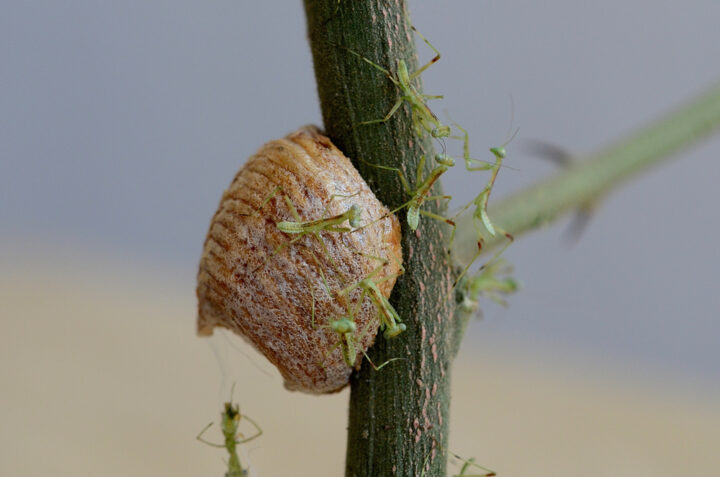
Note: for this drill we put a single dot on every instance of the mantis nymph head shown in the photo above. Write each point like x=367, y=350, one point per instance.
x=354, y=216
x=343, y=325
x=498, y=152
x=445, y=160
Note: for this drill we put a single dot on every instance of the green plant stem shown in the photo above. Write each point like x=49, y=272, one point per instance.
x=398, y=415
x=588, y=180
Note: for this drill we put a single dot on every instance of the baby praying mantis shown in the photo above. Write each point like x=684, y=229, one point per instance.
x=346, y=328
x=421, y=193
x=229, y=426
x=480, y=214
x=470, y=163
x=390, y=320
x=324, y=224
x=467, y=464
x=328, y=224
x=422, y=116
x=481, y=200
x=492, y=281
x=300, y=228
x=345, y=325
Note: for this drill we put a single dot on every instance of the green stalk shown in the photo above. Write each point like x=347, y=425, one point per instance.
x=399, y=415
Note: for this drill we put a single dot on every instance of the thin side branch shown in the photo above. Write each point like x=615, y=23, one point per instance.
x=589, y=180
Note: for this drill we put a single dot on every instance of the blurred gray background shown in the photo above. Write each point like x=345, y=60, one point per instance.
x=122, y=122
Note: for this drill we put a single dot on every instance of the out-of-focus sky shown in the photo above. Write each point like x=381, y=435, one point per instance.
x=122, y=122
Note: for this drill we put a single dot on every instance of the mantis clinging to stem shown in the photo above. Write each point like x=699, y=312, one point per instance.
x=422, y=116
x=488, y=281
x=480, y=214
x=421, y=194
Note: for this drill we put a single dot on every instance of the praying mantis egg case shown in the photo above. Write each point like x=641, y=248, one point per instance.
x=253, y=281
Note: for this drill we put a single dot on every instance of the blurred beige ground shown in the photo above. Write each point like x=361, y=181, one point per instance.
x=101, y=374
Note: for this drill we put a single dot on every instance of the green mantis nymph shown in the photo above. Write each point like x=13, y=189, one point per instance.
x=324, y=224
x=480, y=214
x=329, y=224
x=421, y=194
x=467, y=464
x=229, y=426
x=346, y=328
x=481, y=200
x=390, y=320
x=300, y=228
x=492, y=281
x=422, y=116
x=470, y=163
